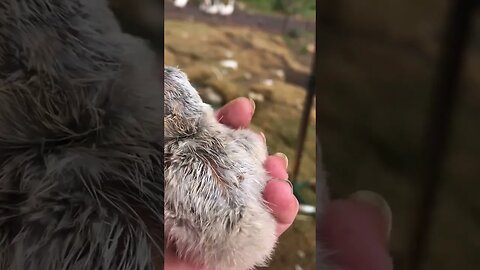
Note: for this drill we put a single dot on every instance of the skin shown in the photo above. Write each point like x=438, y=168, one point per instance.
x=357, y=232
x=345, y=224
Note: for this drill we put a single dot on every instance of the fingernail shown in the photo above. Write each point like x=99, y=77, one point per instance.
x=375, y=200
x=284, y=157
x=253, y=105
x=290, y=183
x=263, y=137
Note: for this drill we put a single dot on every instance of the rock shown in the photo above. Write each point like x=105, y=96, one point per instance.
x=211, y=97
x=268, y=82
x=200, y=72
x=301, y=254
x=306, y=209
x=256, y=96
x=227, y=89
x=280, y=73
x=280, y=92
x=229, y=63
x=311, y=48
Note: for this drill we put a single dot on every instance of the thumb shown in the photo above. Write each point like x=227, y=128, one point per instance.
x=357, y=232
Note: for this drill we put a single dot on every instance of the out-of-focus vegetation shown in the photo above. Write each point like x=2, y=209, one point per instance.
x=299, y=8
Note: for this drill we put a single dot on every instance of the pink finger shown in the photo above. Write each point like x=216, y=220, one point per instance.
x=356, y=233
x=282, y=202
x=237, y=113
x=276, y=167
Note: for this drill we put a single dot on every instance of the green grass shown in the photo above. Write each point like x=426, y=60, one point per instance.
x=298, y=41
x=306, y=10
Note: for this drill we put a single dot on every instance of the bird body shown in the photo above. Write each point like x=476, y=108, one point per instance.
x=214, y=176
x=180, y=3
x=210, y=7
x=226, y=9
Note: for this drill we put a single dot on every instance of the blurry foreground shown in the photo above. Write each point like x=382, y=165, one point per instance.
x=376, y=78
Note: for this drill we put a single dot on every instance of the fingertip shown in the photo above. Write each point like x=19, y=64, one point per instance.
x=237, y=113
x=284, y=159
x=355, y=232
x=282, y=202
x=275, y=166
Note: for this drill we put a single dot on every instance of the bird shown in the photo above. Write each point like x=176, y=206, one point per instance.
x=209, y=7
x=215, y=214
x=180, y=3
x=226, y=9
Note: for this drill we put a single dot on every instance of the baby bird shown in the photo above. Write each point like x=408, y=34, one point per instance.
x=214, y=177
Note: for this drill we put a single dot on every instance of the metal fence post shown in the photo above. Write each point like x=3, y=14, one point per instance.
x=307, y=107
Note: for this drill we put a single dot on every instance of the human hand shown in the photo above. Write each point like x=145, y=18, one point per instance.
x=357, y=231
x=278, y=191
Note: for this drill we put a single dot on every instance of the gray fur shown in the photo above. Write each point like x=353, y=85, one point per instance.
x=81, y=158
x=214, y=178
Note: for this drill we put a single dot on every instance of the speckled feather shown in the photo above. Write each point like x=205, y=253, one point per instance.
x=214, y=177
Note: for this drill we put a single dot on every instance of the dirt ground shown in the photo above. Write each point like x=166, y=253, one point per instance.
x=225, y=62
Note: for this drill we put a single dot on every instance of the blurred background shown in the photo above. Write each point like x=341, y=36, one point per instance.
x=383, y=66
x=257, y=49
